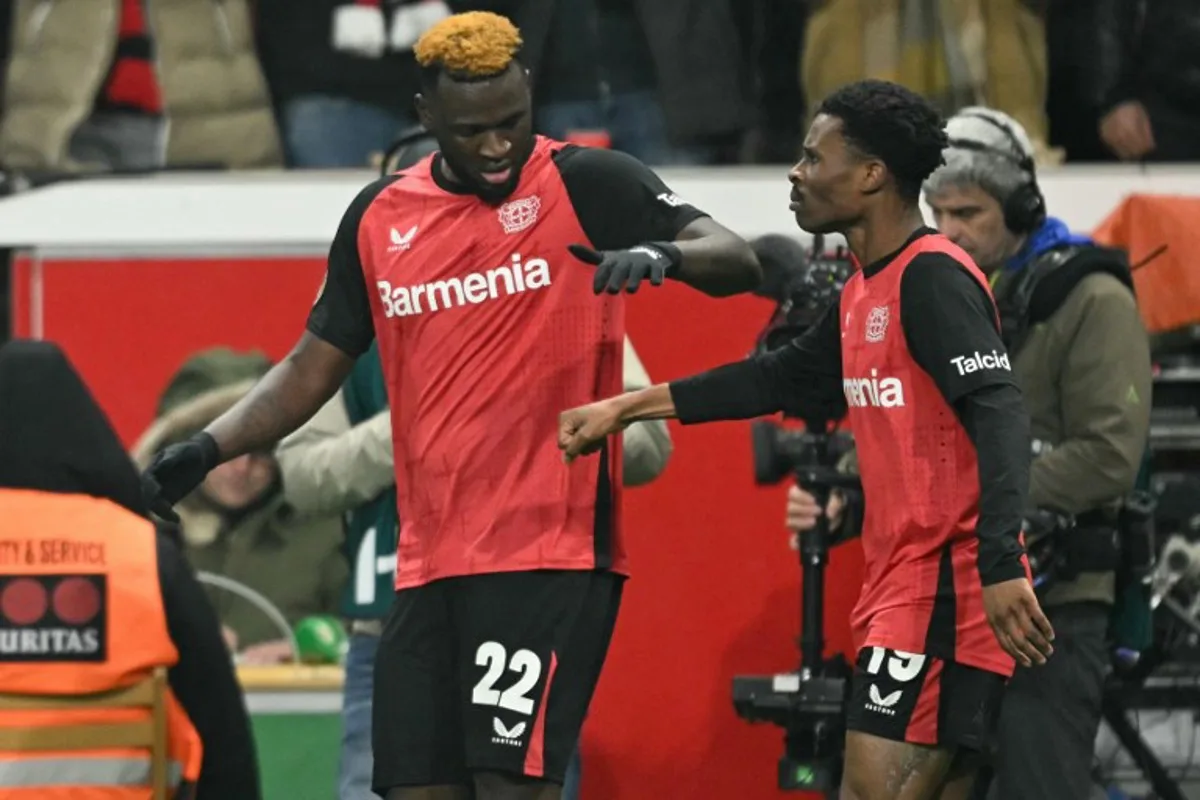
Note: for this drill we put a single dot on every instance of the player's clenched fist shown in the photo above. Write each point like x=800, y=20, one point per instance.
x=583, y=430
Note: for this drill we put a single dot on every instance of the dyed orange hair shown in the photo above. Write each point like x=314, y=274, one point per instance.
x=471, y=45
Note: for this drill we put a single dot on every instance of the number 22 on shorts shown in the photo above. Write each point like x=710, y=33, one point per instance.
x=515, y=698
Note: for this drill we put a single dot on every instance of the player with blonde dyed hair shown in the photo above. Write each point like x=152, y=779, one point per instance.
x=464, y=58
x=492, y=275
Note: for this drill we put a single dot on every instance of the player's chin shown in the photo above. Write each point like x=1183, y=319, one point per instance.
x=497, y=192
x=815, y=223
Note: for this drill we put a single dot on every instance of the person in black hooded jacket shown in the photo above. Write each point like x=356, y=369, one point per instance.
x=55, y=438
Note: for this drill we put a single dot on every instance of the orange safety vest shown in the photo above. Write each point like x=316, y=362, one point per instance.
x=81, y=612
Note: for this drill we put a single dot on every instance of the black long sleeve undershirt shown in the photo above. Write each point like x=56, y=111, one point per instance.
x=945, y=314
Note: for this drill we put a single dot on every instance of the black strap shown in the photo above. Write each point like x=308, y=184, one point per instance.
x=1092, y=549
x=1015, y=302
x=1039, y=289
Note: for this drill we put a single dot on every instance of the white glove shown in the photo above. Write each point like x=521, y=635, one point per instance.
x=410, y=21
x=359, y=29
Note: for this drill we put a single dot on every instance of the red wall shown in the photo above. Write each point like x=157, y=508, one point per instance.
x=715, y=591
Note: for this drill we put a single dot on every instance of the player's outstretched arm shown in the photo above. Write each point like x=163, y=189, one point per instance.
x=640, y=231
x=283, y=400
x=716, y=260
x=583, y=430
x=339, y=329
x=803, y=378
x=287, y=395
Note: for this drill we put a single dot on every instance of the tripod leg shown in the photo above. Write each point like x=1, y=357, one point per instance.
x=1115, y=715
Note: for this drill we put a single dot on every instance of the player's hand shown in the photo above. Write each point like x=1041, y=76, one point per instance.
x=803, y=511
x=1016, y=618
x=582, y=430
x=176, y=472
x=618, y=270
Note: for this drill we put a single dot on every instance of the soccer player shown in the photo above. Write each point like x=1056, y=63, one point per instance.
x=510, y=563
x=913, y=349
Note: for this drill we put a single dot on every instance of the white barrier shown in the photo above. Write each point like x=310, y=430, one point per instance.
x=299, y=211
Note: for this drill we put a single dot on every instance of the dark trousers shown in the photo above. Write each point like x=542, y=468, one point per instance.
x=1050, y=714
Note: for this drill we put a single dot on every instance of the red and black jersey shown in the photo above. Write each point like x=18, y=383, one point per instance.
x=487, y=329
x=912, y=353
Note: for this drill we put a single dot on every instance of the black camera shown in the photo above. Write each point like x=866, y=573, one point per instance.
x=809, y=704
x=802, y=285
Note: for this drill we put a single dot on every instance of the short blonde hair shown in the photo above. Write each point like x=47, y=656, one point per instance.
x=476, y=44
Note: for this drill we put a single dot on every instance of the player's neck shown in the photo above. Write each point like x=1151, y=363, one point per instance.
x=447, y=172
x=880, y=235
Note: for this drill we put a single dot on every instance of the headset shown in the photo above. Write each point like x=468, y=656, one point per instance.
x=1025, y=208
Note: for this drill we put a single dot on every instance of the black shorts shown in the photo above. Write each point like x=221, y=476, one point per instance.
x=489, y=673
x=910, y=697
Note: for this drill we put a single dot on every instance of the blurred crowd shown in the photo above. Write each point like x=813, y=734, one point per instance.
x=148, y=84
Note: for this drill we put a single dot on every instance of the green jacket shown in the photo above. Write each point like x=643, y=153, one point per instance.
x=371, y=528
x=1085, y=375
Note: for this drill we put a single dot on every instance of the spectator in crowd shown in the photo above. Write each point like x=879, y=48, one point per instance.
x=342, y=74
x=239, y=524
x=1141, y=76
x=661, y=81
x=340, y=462
x=771, y=33
x=134, y=84
x=62, y=463
x=951, y=52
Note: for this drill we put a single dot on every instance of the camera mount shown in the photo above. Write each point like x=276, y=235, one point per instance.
x=808, y=704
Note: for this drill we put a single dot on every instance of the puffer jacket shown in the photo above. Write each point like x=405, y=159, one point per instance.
x=1140, y=50
x=215, y=98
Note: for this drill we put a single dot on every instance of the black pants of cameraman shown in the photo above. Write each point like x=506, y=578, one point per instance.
x=1050, y=715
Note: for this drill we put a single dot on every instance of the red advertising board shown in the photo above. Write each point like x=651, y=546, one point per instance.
x=715, y=591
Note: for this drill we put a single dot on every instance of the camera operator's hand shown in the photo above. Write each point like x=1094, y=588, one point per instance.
x=802, y=512
x=1017, y=620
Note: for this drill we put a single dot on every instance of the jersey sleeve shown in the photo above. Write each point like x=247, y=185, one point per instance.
x=803, y=379
x=950, y=325
x=342, y=313
x=619, y=201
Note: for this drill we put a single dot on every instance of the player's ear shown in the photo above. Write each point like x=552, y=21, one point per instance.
x=873, y=176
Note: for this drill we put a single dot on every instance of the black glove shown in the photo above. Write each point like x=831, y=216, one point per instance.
x=176, y=472
x=628, y=268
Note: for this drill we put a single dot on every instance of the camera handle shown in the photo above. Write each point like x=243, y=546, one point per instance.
x=819, y=481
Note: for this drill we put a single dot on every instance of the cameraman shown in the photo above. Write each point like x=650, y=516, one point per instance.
x=1082, y=358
